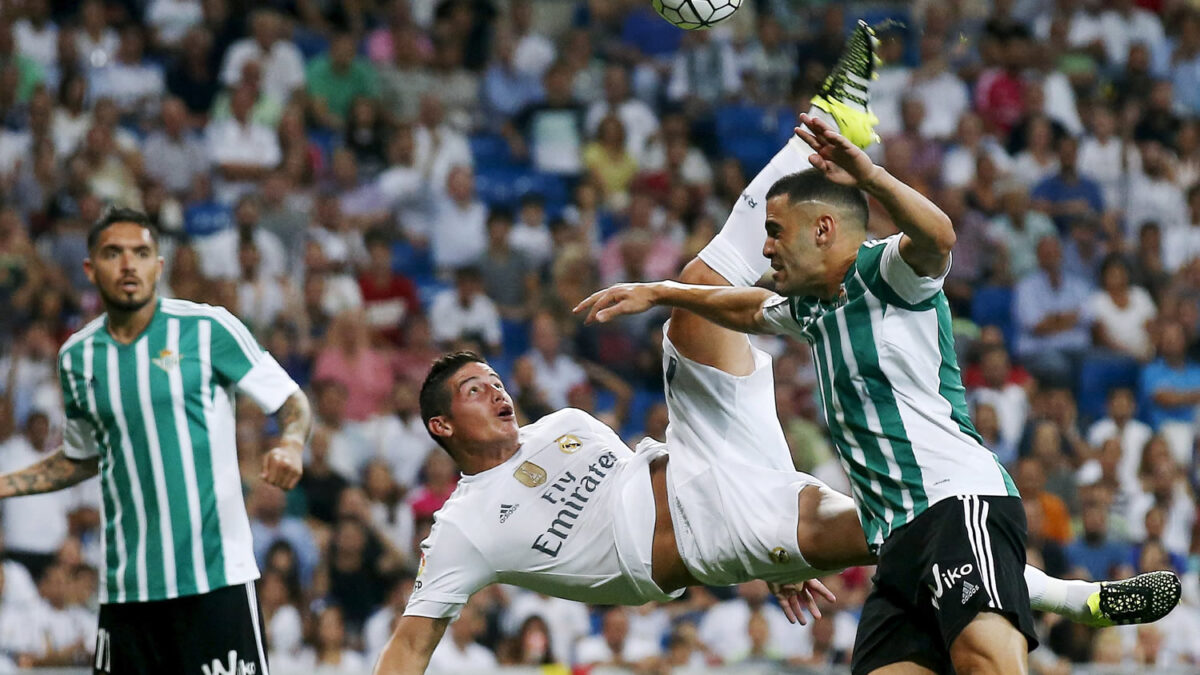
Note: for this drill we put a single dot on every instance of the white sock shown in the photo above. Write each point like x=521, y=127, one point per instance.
x=1059, y=596
x=736, y=252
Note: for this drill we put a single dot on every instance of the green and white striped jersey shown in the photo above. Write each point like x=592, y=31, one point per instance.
x=159, y=413
x=891, y=390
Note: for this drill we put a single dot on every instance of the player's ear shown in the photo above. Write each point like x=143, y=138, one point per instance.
x=825, y=230
x=440, y=426
x=88, y=269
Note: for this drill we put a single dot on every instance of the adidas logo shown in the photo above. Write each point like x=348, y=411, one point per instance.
x=968, y=591
x=507, y=510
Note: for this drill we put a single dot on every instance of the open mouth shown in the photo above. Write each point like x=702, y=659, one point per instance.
x=506, y=412
x=129, y=285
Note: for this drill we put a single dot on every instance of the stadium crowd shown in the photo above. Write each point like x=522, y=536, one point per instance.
x=367, y=184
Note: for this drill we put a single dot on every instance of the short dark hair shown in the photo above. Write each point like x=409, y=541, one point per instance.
x=811, y=184
x=435, y=396
x=120, y=214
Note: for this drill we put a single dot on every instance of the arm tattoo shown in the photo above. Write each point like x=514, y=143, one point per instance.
x=295, y=418
x=53, y=473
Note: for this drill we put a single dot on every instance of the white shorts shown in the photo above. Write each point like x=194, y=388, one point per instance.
x=731, y=484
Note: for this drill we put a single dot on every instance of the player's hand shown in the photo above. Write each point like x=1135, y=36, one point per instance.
x=619, y=300
x=283, y=465
x=840, y=160
x=794, y=598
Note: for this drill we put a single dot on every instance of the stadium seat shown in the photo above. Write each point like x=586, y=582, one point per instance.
x=412, y=262
x=427, y=290
x=643, y=400
x=992, y=306
x=1100, y=375
x=491, y=150
x=516, y=337
x=737, y=121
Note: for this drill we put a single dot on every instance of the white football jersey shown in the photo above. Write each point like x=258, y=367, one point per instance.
x=570, y=514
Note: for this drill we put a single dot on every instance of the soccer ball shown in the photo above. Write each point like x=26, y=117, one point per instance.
x=695, y=14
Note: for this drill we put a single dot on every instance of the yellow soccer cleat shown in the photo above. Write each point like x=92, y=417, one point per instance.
x=1144, y=598
x=845, y=94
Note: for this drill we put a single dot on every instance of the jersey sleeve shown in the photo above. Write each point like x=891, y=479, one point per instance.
x=79, y=435
x=779, y=317
x=451, y=569
x=890, y=277
x=237, y=359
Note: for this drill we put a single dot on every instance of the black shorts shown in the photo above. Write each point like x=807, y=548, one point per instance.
x=219, y=632
x=962, y=556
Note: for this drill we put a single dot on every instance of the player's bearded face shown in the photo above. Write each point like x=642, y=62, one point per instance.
x=125, y=267
x=794, y=256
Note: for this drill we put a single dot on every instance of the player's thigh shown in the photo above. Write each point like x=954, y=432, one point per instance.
x=703, y=341
x=220, y=631
x=895, y=637
x=828, y=531
x=719, y=419
x=989, y=645
x=129, y=640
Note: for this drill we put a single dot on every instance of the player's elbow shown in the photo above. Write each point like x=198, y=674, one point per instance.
x=944, y=237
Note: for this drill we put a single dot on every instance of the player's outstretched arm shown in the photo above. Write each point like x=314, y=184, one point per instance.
x=734, y=308
x=53, y=473
x=408, y=652
x=284, y=464
x=929, y=234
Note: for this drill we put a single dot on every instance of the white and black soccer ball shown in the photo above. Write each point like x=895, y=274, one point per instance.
x=695, y=14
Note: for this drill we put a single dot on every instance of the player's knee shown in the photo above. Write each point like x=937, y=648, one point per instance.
x=698, y=272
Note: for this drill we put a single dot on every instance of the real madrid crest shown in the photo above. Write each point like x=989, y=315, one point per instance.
x=530, y=474
x=569, y=444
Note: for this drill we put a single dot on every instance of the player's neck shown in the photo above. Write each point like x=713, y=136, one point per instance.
x=840, y=262
x=480, y=458
x=125, y=326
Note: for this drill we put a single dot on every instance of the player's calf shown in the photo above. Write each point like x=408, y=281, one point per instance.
x=701, y=340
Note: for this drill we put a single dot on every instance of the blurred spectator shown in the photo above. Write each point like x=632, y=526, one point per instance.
x=509, y=279
x=336, y=79
x=1093, y=552
x=1125, y=24
x=1052, y=318
x=530, y=235
x=1019, y=229
x=1122, y=314
x=398, y=435
x=607, y=158
x=321, y=483
x=1000, y=90
x=464, y=312
x=389, y=297
x=1153, y=196
x=330, y=654
x=354, y=560
x=36, y=35
x=550, y=131
x=1055, y=519
x=768, y=63
x=1120, y=424
x=1170, y=387
x=637, y=119
x=1037, y=158
x=194, y=77
x=534, y=52
x=457, y=86
x=349, y=358
x=134, y=83
x=404, y=81
x=969, y=142
x=95, y=41
x=242, y=151
x=1008, y=399
x=944, y=96
x=704, y=72
x=615, y=646
x=458, y=651
x=727, y=627
x=281, y=62
x=441, y=477
x=1106, y=156
x=280, y=616
x=1181, y=245
x=506, y=88
x=1067, y=195
x=174, y=154
x=379, y=627
x=556, y=372
x=268, y=523
x=457, y=230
